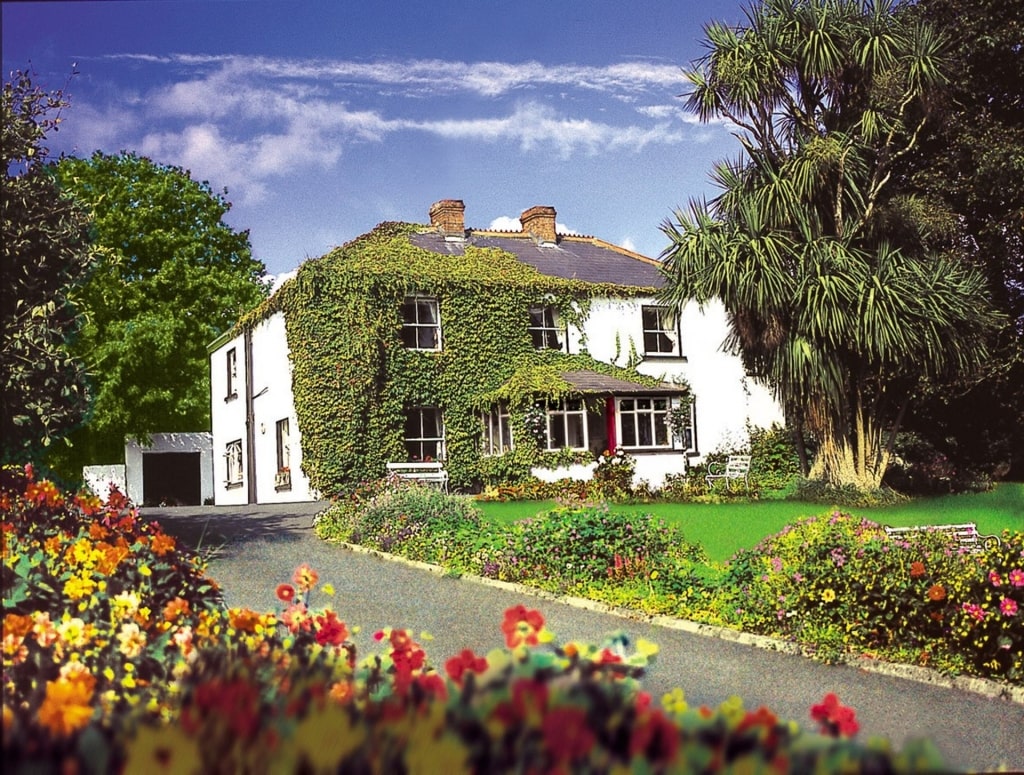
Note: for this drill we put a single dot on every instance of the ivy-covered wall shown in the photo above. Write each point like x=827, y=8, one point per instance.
x=353, y=379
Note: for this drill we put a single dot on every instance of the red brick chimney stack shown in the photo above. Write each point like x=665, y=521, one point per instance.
x=449, y=217
x=539, y=222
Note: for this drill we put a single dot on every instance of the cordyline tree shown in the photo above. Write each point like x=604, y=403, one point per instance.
x=170, y=277
x=838, y=291
x=45, y=254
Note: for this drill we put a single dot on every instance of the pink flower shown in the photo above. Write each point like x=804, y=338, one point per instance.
x=1008, y=607
x=973, y=610
x=834, y=718
x=995, y=578
x=1017, y=577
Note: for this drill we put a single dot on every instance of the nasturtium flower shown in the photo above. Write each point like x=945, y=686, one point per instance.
x=675, y=701
x=67, y=706
x=305, y=578
x=285, y=593
x=834, y=718
x=522, y=626
x=466, y=661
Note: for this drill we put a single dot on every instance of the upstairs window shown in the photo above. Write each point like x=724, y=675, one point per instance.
x=567, y=425
x=424, y=434
x=233, y=460
x=543, y=328
x=643, y=423
x=421, y=323
x=661, y=334
x=232, y=380
x=497, y=434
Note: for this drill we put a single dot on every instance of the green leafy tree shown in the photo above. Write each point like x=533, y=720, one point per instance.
x=972, y=159
x=171, y=276
x=45, y=253
x=839, y=290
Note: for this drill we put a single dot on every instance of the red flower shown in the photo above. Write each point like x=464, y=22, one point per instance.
x=916, y=570
x=522, y=625
x=936, y=592
x=834, y=718
x=655, y=737
x=285, y=593
x=456, y=667
x=566, y=733
x=529, y=703
x=330, y=629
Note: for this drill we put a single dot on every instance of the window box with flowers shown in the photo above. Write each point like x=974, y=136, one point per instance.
x=283, y=480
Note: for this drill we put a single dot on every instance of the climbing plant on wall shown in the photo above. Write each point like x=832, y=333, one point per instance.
x=354, y=380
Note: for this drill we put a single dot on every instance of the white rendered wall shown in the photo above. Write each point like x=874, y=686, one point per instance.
x=272, y=401
x=99, y=478
x=227, y=413
x=726, y=399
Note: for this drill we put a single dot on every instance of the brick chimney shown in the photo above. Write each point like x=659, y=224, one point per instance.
x=449, y=217
x=539, y=223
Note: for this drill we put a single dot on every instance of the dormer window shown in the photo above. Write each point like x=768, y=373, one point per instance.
x=543, y=328
x=421, y=323
x=661, y=332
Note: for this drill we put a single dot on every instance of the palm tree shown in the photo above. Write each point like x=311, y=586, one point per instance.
x=841, y=290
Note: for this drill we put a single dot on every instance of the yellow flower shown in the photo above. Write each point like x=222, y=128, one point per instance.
x=162, y=749
x=828, y=595
x=145, y=570
x=675, y=701
x=78, y=587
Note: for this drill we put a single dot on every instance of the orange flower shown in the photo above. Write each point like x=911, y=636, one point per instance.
x=916, y=570
x=177, y=607
x=936, y=592
x=243, y=619
x=305, y=578
x=67, y=706
x=162, y=544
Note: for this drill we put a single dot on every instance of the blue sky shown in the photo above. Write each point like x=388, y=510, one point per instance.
x=323, y=119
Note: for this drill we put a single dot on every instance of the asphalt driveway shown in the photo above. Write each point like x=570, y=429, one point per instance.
x=254, y=548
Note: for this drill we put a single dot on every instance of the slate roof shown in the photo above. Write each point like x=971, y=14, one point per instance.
x=586, y=381
x=573, y=258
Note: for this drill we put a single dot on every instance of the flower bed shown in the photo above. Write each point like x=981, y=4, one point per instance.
x=836, y=583
x=118, y=655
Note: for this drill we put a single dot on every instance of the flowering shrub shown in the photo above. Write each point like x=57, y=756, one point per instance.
x=613, y=477
x=839, y=585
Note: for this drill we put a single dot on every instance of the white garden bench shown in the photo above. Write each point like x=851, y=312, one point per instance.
x=966, y=534
x=735, y=467
x=427, y=473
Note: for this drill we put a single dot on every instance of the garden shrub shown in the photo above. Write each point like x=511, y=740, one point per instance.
x=150, y=673
x=839, y=585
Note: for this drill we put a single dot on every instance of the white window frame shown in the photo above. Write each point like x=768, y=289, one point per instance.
x=496, y=438
x=643, y=413
x=687, y=442
x=283, y=438
x=418, y=326
x=234, y=471
x=665, y=326
x=560, y=416
x=415, y=416
x=547, y=330
x=232, y=374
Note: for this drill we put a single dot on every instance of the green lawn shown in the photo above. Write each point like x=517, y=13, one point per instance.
x=725, y=527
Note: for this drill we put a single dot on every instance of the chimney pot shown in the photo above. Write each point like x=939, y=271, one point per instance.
x=539, y=222
x=449, y=217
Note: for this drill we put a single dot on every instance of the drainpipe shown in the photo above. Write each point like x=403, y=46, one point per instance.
x=250, y=420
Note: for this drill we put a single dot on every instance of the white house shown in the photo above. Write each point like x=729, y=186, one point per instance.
x=256, y=434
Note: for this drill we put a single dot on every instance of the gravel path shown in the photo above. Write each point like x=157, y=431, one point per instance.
x=257, y=547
